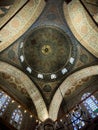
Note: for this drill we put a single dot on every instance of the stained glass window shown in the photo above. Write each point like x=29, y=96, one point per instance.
x=16, y=118
x=76, y=119
x=4, y=101
x=91, y=104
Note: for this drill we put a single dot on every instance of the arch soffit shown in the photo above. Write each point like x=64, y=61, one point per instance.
x=82, y=25
x=20, y=23
x=67, y=87
x=29, y=86
x=15, y=7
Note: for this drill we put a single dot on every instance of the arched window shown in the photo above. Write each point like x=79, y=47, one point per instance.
x=4, y=101
x=91, y=104
x=76, y=119
x=16, y=118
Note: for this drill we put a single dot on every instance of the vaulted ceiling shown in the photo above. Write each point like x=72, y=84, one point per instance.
x=48, y=49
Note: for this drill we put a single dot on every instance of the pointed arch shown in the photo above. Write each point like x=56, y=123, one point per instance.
x=67, y=87
x=29, y=86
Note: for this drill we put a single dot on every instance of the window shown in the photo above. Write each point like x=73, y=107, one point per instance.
x=16, y=118
x=4, y=101
x=76, y=119
x=91, y=104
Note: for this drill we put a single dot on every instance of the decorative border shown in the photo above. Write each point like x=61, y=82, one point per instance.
x=82, y=26
x=20, y=23
x=32, y=90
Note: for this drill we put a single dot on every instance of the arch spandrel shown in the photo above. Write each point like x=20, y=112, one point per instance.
x=20, y=23
x=67, y=87
x=29, y=86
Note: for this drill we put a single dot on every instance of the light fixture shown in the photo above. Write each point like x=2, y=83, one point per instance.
x=61, y=120
x=19, y=106
x=37, y=121
x=31, y=116
x=13, y=101
x=25, y=111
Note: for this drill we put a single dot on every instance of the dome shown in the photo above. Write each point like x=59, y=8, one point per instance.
x=46, y=53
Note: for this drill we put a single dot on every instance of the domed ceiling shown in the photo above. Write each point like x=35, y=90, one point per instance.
x=47, y=53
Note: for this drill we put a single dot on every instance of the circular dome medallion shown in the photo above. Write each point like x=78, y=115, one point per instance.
x=47, y=53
